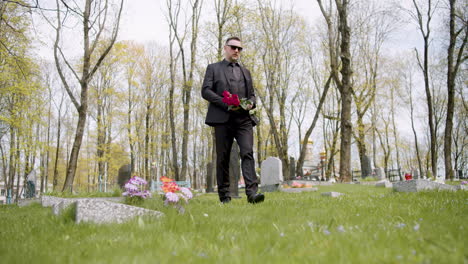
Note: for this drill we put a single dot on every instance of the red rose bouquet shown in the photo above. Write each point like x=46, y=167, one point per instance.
x=234, y=103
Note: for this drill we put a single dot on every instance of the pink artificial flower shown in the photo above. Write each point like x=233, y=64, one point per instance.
x=137, y=180
x=171, y=197
x=131, y=187
x=186, y=193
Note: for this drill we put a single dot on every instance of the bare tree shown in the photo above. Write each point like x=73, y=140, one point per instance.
x=373, y=22
x=455, y=58
x=424, y=25
x=279, y=29
x=305, y=140
x=460, y=137
x=188, y=69
x=95, y=16
x=408, y=78
x=133, y=53
x=344, y=83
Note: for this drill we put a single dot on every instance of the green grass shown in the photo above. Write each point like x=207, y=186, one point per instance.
x=367, y=225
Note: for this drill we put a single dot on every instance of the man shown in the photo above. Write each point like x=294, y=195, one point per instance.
x=229, y=75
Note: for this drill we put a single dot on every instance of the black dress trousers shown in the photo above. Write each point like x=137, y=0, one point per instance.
x=239, y=127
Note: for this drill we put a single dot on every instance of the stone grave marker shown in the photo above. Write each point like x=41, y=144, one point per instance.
x=125, y=173
x=379, y=173
x=384, y=183
x=210, y=176
x=234, y=171
x=102, y=212
x=271, y=174
x=332, y=194
x=421, y=185
x=366, y=169
x=98, y=210
x=292, y=168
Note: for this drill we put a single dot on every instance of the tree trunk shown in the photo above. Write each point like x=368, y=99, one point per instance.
x=45, y=163
x=57, y=151
x=211, y=168
x=175, y=166
x=90, y=29
x=430, y=109
x=101, y=141
x=73, y=161
x=259, y=145
x=147, y=141
x=361, y=143
x=17, y=167
x=129, y=126
x=395, y=135
x=452, y=70
x=234, y=171
x=345, y=90
x=11, y=164
x=416, y=145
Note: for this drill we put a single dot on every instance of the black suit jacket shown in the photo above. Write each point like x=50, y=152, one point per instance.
x=218, y=79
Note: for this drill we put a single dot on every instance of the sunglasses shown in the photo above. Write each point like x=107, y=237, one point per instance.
x=235, y=47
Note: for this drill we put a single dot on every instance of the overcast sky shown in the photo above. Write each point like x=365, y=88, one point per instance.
x=144, y=20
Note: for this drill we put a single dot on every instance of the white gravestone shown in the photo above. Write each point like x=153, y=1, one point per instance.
x=271, y=174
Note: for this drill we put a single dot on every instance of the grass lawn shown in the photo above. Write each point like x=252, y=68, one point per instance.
x=367, y=225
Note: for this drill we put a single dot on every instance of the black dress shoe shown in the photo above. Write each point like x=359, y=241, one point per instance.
x=226, y=200
x=256, y=198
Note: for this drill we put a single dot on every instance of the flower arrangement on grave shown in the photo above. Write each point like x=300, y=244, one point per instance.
x=464, y=183
x=175, y=195
x=135, y=190
x=297, y=185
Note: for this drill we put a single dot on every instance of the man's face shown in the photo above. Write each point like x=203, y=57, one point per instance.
x=232, y=50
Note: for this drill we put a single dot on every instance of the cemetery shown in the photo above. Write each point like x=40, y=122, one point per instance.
x=222, y=131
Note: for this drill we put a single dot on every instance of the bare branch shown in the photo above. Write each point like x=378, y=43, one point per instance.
x=111, y=44
x=57, y=61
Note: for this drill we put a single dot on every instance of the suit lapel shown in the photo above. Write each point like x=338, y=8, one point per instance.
x=227, y=74
x=247, y=86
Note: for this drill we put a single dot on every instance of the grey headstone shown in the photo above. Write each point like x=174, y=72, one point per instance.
x=421, y=185
x=332, y=194
x=125, y=173
x=234, y=171
x=210, y=171
x=415, y=174
x=102, y=212
x=271, y=174
x=292, y=168
x=366, y=169
x=379, y=173
x=48, y=201
x=384, y=183
x=59, y=207
x=26, y=202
